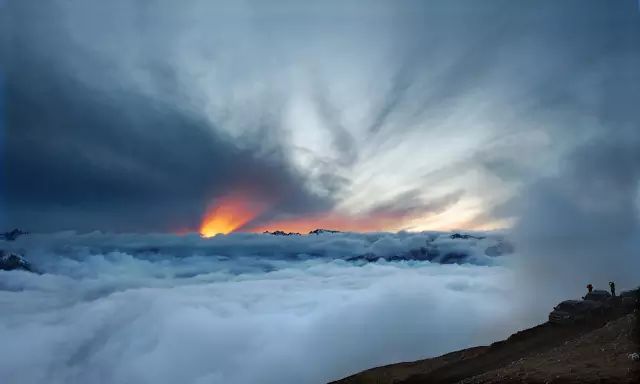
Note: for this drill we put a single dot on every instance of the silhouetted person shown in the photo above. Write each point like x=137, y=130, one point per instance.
x=589, y=288
x=612, y=285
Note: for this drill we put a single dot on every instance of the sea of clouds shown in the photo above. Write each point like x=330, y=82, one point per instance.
x=244, y=308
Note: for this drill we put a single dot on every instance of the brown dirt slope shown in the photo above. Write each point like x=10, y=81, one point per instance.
x=600, y=356
x=596, y=352
x=396, y=373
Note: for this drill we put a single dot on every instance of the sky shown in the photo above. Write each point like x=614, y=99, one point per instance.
x=159, y=116
x=126, y=126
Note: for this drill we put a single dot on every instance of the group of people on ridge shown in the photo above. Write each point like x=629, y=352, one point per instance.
x=612, y=287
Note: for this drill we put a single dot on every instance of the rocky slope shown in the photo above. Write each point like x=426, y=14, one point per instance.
x=597, y=352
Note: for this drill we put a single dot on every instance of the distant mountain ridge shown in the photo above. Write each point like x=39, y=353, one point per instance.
x=318, y=231
x=428, y=252
x=12, y=235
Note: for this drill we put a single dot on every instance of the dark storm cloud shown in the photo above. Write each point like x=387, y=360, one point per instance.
x=79, y=156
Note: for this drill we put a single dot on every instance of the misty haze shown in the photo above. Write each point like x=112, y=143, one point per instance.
x=279, y=191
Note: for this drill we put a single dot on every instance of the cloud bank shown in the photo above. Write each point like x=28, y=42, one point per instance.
x=103, y=311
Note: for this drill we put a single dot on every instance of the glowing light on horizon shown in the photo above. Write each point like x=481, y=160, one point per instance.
x=461, y=216
x=229, y=214
x=239, y=211
x=334, y=221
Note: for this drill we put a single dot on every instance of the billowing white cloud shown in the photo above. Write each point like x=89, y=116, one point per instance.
x=238, y=309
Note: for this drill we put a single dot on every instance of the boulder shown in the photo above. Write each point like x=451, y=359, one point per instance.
x=11, y=261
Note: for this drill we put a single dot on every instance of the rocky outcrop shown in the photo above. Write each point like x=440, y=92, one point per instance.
x=321, y=231
x=11, y=261
x=318, y=231
x=12, y=235
x=465, y=236
x=281, y=233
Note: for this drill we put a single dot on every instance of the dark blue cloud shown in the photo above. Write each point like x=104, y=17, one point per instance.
x=79, y=156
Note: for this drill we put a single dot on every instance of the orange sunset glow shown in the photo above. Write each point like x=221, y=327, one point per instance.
x=229, y=214
x=239, y=211
x=330, y=221
x=460, y=215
